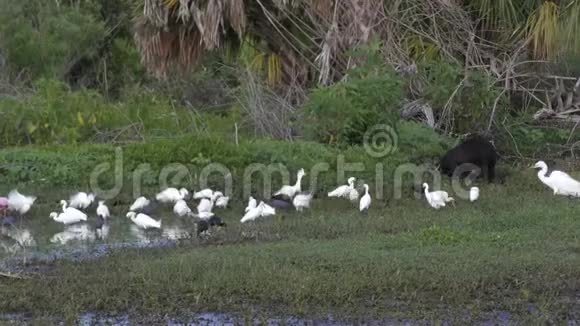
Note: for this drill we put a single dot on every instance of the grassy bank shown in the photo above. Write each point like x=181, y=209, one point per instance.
x=517, y=246
x=38, y=167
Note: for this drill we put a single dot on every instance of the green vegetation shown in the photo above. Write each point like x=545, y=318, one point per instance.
x=240, y=76
x=403, y=259
x=71, y=165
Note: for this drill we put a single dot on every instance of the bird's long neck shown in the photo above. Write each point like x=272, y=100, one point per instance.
x=542, y=173
x=298, y=184
x=63, y=205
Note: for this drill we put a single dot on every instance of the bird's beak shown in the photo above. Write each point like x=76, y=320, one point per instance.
x=531, y=167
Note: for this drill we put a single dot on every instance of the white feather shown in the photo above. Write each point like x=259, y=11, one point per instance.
x=365, y=201
x=81, y=200
x=205, y=205
x=204, y=215
x=473, y=194
x=181, y=208
x=560, y=182
x=103, y=210
x=302, y=201
x=20, y=203
x=205, y=193
x=69, y=215
x=171, y=195
x=221, y=201
x=261, y=210
x=252, y=203
x=437, y=199
x=144, y=221
x=139, y=203
x=290, y=191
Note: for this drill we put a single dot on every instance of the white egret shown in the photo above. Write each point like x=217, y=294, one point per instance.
x=346, y=191
x=252, y=203
x=365, y=201
x=205, y=193
x=204, y=215
x=20, y=203
x=473, y=194
x=103, y=210
x=205, y=205
x=301, y=201
x=290, y=191
x=261, y=210
x=81, y=200
x=139, y=204
x=181, y=208
x=560, y=182
x=171, y=195
x=267, y=210
x=437, y=199
x=144, y=221
x=69, y=216
x=221, y=200
x=253, y=213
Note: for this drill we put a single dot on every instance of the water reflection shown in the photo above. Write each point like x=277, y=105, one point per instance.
x=14, y=239
x=78, y=232
x=51, y=239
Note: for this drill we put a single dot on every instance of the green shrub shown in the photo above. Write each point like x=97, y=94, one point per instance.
x=42, y=38
x=470, y=98
x=57, y=115
x=72, y=164
x=344, y=111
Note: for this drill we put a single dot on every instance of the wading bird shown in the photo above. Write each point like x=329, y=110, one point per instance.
x=290, y=191
x=103, y=210
x=171, y=195
x=437, y=199
x=205, y=193
x=81, y=200
x=346, y=191
x=301, y=201
x=19, y=203
x=252, y=203
x=473, y=194
x=144, y=221
x=181, y=209
x=365, y=201
x=560, y=182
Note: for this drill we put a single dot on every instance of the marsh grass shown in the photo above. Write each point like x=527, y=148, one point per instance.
x=518, y=245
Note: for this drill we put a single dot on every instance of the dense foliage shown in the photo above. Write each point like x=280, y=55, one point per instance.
x=71, y=72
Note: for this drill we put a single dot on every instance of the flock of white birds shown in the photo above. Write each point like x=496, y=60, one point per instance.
x=289, y=196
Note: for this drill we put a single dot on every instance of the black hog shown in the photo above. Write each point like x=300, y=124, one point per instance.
x=474, y=155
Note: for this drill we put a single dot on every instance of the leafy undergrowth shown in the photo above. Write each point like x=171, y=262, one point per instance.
x=40, y=167
x=518, y=245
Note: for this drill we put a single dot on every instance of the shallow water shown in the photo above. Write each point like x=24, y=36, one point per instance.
x=36, y=236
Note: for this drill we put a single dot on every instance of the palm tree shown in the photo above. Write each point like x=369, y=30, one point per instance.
x=308, y=41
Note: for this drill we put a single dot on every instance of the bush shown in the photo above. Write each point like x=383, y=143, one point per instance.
x=71, y=165
x=344, y=111
x=470, y=98
x=43, y=38
x=57, y=115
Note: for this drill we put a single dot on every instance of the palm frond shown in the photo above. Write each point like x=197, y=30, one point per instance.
x=542, y=30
